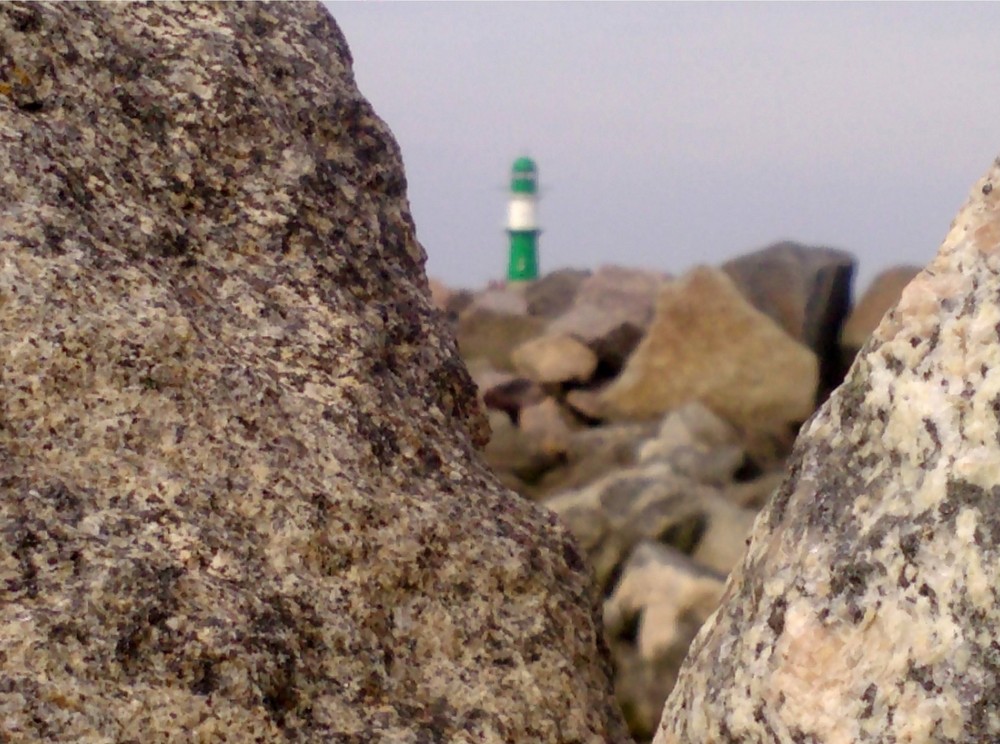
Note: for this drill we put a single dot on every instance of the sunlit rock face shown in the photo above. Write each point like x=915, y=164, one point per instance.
x=866, y=609
x=239, y=494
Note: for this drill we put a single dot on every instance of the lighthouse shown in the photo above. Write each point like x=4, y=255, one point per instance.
x=522, y=221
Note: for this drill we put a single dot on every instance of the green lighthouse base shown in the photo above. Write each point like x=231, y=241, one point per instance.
x=523, y=266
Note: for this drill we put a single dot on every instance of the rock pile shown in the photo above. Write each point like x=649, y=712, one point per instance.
x=653, y=414
x=240, y=499
x=866, y=609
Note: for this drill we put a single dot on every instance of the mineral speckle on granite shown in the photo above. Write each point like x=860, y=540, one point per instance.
x=867, y=608
x=239, y=497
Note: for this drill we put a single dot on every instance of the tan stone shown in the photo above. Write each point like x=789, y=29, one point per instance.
x=441, y=294
x=550, y=423
x=708, y=344
x=805, y=289
x=554, y=358
x=587, y=403
x=490, y=335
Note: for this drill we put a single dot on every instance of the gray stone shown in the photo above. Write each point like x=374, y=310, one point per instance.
x=697, y=444
x=594, y=453
x=612, y=309
x=613, y=514
x=492, y=336
x=807, y=291
x=866, y=607
x=521, y=453
x=657, y=607
x=240, y=497
x=554, y=293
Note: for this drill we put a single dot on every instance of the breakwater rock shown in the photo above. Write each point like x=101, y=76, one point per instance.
x=866, y=608
x=240, y=498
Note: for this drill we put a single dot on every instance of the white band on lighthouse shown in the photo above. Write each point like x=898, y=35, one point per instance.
x=521, y=214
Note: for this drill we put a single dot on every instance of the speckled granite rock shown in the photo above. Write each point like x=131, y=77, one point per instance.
x=866, y=609
x=238, y=496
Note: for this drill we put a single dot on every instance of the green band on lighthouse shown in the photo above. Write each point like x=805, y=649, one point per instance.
x=523, y=266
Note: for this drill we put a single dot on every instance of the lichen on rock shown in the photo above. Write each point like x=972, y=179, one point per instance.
x=867, y=608
x=239, y=497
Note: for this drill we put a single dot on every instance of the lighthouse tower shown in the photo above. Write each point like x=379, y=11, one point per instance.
x=522, y=221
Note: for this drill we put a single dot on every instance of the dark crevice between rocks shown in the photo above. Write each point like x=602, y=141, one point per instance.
x=685, y=535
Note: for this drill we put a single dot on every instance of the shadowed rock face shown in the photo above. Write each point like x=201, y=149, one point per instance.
x=239, y=499
x=866, y=609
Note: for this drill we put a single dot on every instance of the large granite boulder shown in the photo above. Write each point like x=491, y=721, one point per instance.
x=866, y=608
x=804, y=289
x=239, y=499
x=709, y=344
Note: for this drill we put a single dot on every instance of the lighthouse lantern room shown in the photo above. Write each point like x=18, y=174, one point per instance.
x=522, y=221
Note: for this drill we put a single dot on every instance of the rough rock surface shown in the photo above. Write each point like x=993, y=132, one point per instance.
x=708, y=344
x=238, y=495
x=867, y=607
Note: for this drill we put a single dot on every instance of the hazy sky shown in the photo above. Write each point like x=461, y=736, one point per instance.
x=672, y=134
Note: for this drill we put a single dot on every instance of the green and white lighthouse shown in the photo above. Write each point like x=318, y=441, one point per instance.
x=522, y=221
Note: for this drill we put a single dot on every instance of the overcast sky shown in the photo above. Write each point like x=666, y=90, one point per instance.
x=672, y=134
